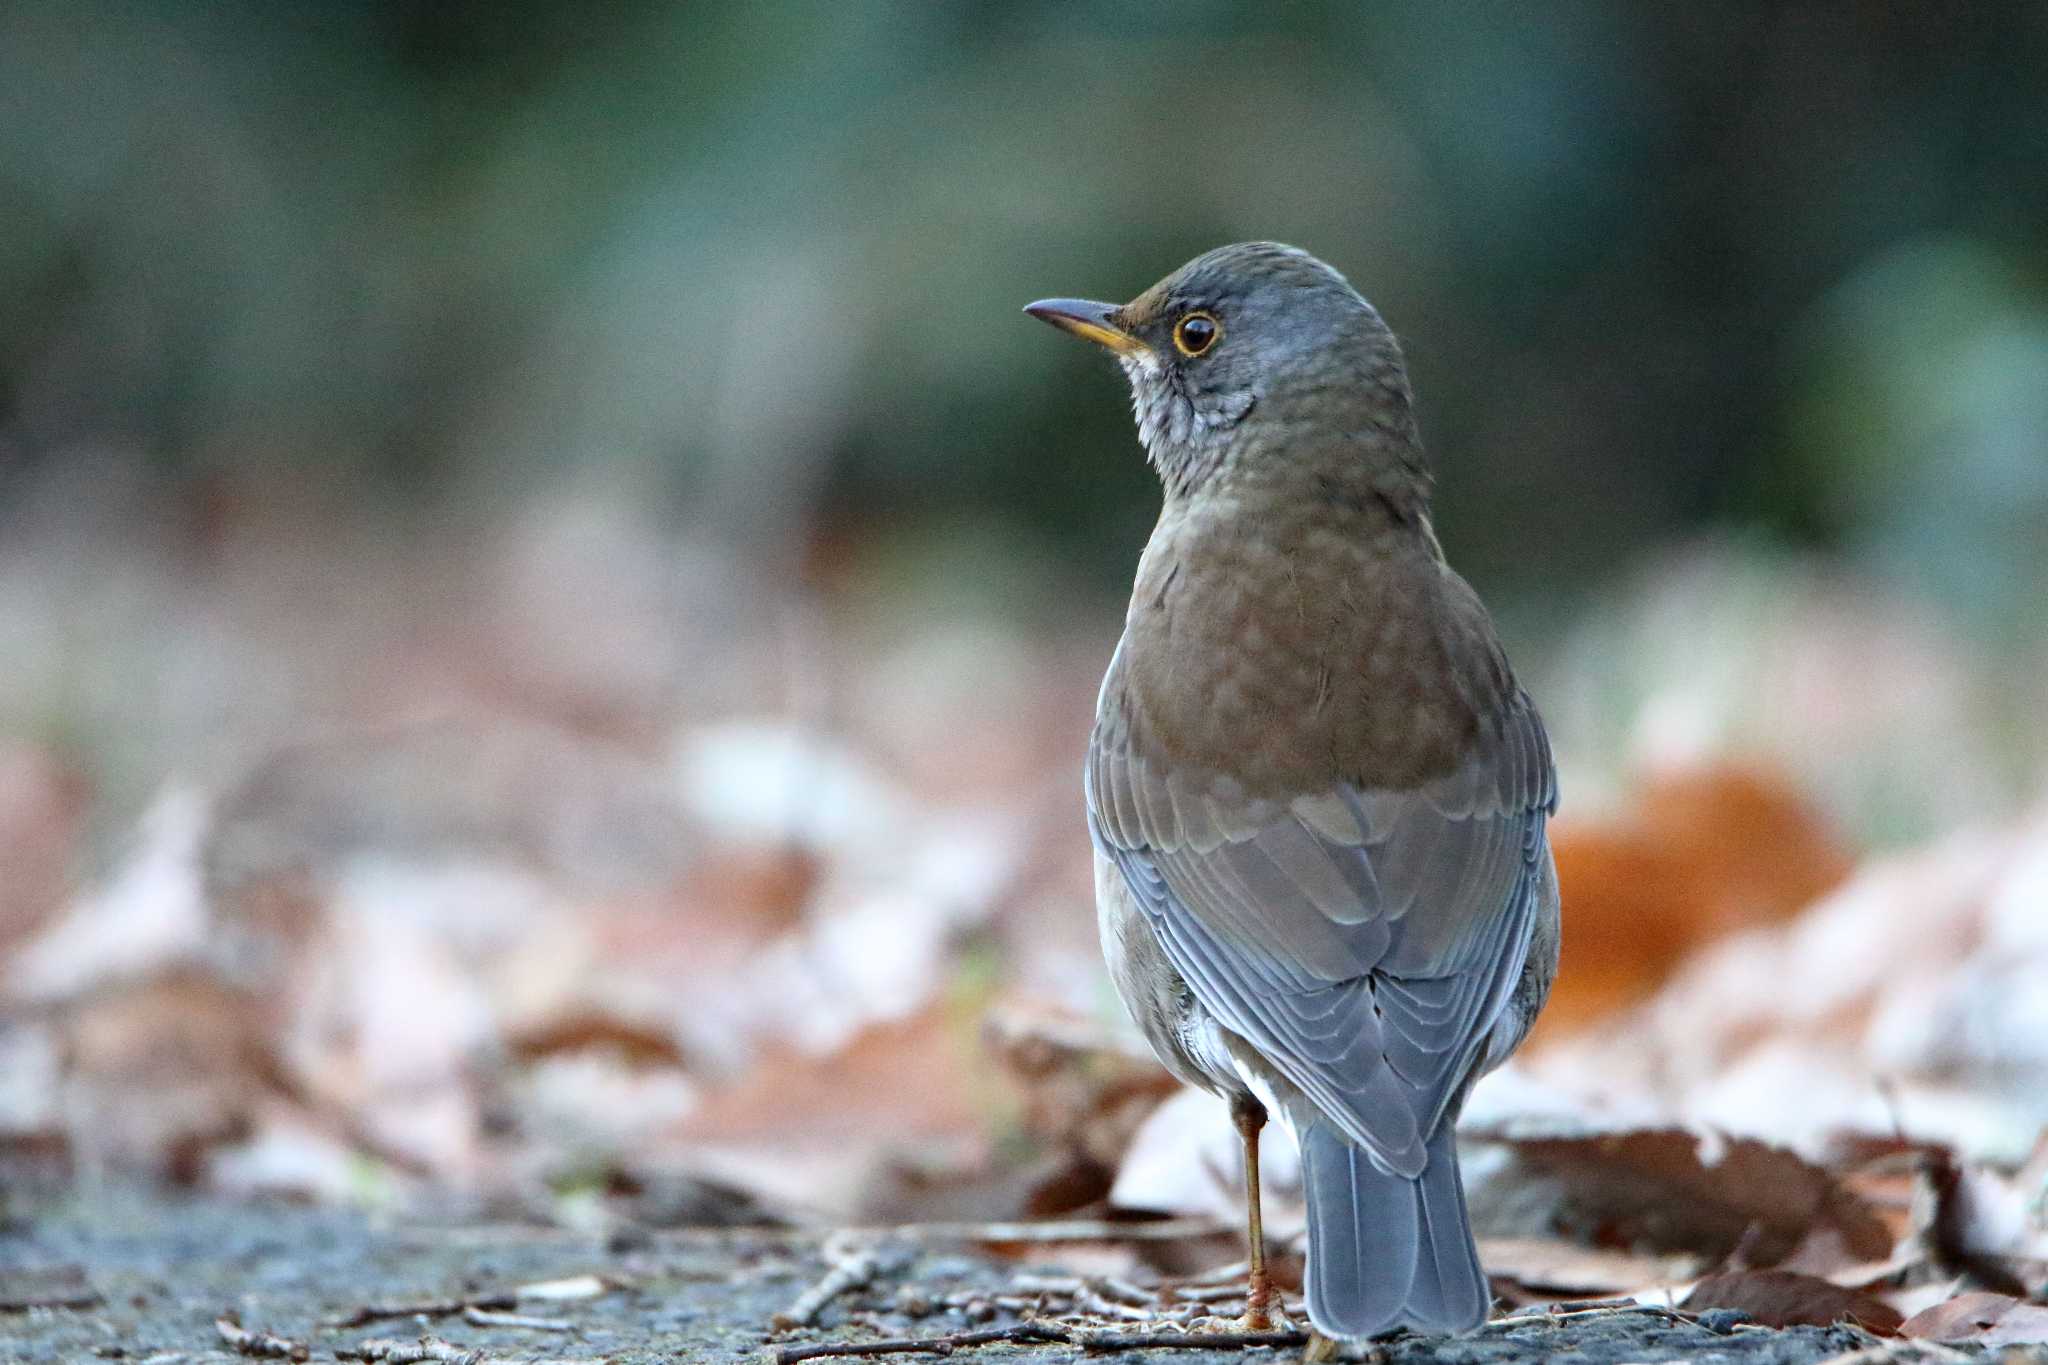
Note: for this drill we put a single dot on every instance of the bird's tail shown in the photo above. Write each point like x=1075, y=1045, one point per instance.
x=1385, y=1251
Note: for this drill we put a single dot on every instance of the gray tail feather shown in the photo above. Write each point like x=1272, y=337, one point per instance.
x=1385, y=1251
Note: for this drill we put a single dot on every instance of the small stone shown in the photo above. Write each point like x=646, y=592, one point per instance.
x=1722, y=1321
x=628, y=1237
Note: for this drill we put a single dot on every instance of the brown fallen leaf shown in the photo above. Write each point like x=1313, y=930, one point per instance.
x=799, y=1129
x=1082, y=1087
x=1656, y=1189
x=1889, y=1175
x=1981, y=1319
x=1786, y=1298
x=162, y=1071
x=582, y=1030
x=1551, y=1269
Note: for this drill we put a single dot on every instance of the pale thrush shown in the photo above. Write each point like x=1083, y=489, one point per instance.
x=1317, y=793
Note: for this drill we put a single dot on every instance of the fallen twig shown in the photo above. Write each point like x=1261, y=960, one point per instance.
x=62, y=1287
x=1067, y=1285
x=1123, y=1291
x=1206, y=1293
x=1088, y=1339
x=485, y=1317
x=1231, y=1273
x=422, y=1308
x=945, y=1345
x=854, y=1265
x=1089, y=1301
x=261, y=1344
x=548, y=1291
x=428, y=1350
x=1079, y=1230
x=1604, y=1309
x=1075, y=1287
x=1186, y=1341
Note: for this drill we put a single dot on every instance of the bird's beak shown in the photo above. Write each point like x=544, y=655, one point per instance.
x=1094, y=321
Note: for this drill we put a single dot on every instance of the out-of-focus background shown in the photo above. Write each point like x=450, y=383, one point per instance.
x=550, y=600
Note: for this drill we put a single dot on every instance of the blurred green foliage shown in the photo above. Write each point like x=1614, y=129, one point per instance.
x=1770, y=266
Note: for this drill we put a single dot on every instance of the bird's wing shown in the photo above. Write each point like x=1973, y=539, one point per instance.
x=1365, y=941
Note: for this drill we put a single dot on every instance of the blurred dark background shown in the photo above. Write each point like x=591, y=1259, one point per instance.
x=564, y=494
x=1775, y=268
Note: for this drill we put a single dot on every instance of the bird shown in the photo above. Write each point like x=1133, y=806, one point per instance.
x=1317, y=794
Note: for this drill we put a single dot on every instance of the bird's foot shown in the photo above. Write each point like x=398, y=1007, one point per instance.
x=1273, y=1320
x=1261, y=1314
x=1258, y=1310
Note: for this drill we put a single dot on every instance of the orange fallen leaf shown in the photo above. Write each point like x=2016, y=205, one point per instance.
x=1700, y=855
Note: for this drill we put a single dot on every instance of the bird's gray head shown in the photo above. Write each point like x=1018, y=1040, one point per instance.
x=1252, y=353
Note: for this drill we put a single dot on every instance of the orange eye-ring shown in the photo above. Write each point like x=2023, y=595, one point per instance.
x=1196, y=333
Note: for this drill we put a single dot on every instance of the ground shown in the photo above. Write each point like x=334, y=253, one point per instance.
x=157, y=1276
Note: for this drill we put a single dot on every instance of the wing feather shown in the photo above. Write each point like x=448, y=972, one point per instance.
x=1364, y=940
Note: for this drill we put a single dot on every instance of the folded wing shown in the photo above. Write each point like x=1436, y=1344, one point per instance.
x=1364, y=940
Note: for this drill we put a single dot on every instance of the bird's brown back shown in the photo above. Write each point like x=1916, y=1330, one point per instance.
x=1300, y=628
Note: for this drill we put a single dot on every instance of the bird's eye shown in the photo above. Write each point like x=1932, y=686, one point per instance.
x=1196, y=333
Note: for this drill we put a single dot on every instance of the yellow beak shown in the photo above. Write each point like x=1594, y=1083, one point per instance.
x=1095, y=322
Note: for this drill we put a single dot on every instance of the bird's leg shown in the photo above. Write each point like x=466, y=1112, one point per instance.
x=1250, y=1116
